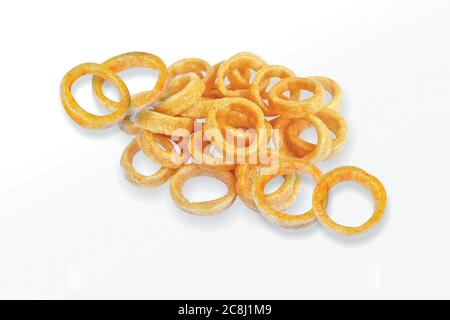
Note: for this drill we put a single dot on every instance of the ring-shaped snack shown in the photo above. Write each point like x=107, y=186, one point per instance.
x=335, y=91
x=225, y=69
x=333, y=121
x=280, y=199
x=152, y=181
x=200, y=109
x=200, y=67
x=204, y=208
x=133, y=60
x=349, y=173
x=152, y=148
x=240, y=77
x=81, y=116
x=322, y=149
x=181, y=93
x=220, y=142
x=157, y=122
x=287, y=166
x=285, y=106
x=257, y=87
x=280, y=136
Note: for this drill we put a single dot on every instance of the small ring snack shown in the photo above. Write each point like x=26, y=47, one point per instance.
x=200, y=67
x=257, y=88
x=334, y=89
x=81, y=116
x=244, y=106
x=280, y=199
x=157, y=122
x=199, y=110
x=322, y=149
x=334, y=122
x=225, y=69
x=181, y=93
x=280, y=137
x=151, y=147
x=240, y=77
x=287, y=166
x=139, y=179
x=133, y=60
x=359, y=176
x=296, y=108
x=204, y=208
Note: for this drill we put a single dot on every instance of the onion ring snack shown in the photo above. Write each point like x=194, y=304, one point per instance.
x=133, y=60
x=287, y=166
x=205, y=208
x=155, y=180
x=200, y=67
x=296, y=108
x=359, y=176
x=334, y=121
x=81, y=116
x=181, y=93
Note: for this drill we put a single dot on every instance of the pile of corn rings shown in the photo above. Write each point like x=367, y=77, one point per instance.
x=238, y=121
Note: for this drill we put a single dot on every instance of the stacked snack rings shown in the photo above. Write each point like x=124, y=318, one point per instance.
x=219, y=121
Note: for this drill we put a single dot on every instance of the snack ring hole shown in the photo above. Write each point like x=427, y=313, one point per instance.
x=203, y=188
x=144, y=165
x=349, y=204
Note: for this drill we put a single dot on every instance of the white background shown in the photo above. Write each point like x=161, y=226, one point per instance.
x=71, y=226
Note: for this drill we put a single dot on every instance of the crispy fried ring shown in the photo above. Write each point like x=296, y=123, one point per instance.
x=133, y=60
x=257, y=87
x=242, y=105
x=204, y=208
x=280, y=136
x=287, y=166
x=225, y=69
x=280, y=199
x=81, y=116
x=322, y=149
x=334, y=121
x=200, y=67
x=334, y=89
x=240, y=77
x=359, y=176
x=181, y=93
x=150, y=146
x=154, y=180
x=163, y=124
x=296, y=108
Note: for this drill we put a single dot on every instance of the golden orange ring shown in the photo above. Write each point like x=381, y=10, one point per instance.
x=258, y=83
x=322, y=149
x=200, y=151
x=287, y=166
x=296, y=108
x=200, y=67
x=127, y=126
x=164, y=124
x=240, y=77
x=335, y=123
x=81, y=116
x=133, y=60
x=181, y=93
x=204, y=208
x=225, y=69
x=236, y=104
x=150, y=146
x=359, y=176
x=152, y=181
x=280, y=199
